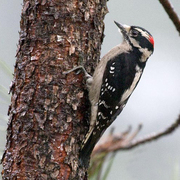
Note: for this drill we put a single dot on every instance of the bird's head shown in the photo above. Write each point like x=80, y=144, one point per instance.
x=139, y=38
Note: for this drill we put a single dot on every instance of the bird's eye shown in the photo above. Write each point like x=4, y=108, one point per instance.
x=134, y=32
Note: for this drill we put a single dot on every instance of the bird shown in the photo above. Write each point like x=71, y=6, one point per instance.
x=113, y=81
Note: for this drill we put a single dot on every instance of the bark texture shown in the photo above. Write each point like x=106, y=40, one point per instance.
x=48, y=115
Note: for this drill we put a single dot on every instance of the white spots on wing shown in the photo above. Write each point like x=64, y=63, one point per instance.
x=110, y=87
x=112, y=67
x=102, y=93
x=111, y=112
x=100, y=114
x=117, y=107
x=107, y=88
x=103, y=103
x=129, y=91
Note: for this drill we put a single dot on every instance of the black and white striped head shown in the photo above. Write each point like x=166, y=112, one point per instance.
x=139, y=38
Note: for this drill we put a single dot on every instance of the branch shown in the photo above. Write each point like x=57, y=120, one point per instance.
x=172, y=14
x=125, y=142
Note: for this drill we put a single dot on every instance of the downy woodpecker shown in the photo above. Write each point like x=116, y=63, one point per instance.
x=114, y=80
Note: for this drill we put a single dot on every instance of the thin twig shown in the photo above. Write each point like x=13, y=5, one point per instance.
x=125, y=142
x=171, y=13
x=153, y=136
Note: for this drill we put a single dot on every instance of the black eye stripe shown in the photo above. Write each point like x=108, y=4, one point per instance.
x=142, y=37
x=134, y=32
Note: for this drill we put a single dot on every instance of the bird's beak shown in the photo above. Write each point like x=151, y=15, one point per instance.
x=124, y=29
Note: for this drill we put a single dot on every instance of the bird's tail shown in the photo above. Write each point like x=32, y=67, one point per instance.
x=86, y=150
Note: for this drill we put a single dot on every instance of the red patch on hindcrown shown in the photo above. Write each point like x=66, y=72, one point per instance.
x=151, y=40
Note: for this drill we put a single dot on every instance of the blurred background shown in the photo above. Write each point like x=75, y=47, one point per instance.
x=155, y=103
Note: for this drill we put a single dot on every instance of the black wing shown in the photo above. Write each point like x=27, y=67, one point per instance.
x=118, y=77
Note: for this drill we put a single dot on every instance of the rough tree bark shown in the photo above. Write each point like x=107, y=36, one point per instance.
x=48, y=115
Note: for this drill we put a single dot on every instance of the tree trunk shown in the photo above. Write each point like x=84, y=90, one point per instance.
x=49, y=112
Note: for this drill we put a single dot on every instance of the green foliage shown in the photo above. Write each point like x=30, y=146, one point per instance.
x=4, y=94
x=111, y=160
x=3, y=90
x=100, y=166
x=4, y=101
x=6, y=69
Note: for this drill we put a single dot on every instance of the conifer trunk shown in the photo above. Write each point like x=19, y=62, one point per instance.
x=49, y=111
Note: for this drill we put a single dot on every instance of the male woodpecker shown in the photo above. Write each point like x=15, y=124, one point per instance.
x=113, y=82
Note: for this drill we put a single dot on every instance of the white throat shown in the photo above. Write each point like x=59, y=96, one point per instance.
x=145, y=54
